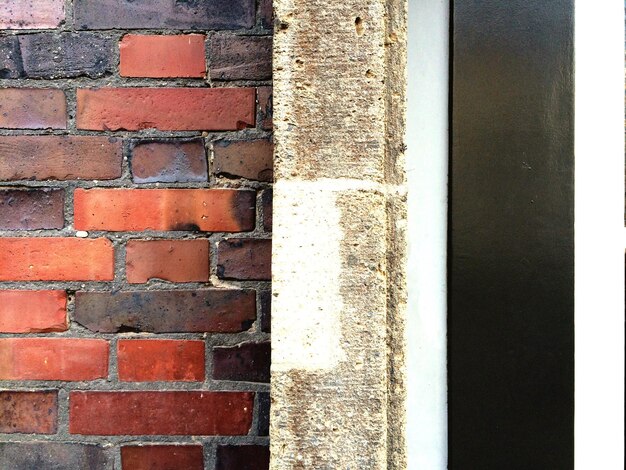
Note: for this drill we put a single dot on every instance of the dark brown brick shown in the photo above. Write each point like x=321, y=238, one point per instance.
x=265, y=13
x=162, y=457
x=169, y=14
x=242, y=458
x=267, y=210
x=266, y=311
x=244, y=259
x=240, y=57
x=10, y=58
x=248, y=362
x=265, y=112
x=28, y=157
x=31, y=209
x=206, y=310
x=253, y=159
x=53, y=456
x=28, y=412
x=264, y=404
x=65, y=55
x=174, y=161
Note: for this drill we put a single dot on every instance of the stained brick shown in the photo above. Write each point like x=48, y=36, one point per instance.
x=53, y=456
x=10, y=57
x=267, y=209
x=162, y=457
x=167, y=413
x=264, y=116
x=66, y=359
x=266, y=311
x=60, y=157
x=231, y=457
x=31, y=209
x=170, y=14
x=209, y=210
x=240, y=57
x=160, y=56
x=253, y=159
x=46, y=55
x=32, y=311
x=151, y=360
x=205, y=310
x=263, y=411
x=27, y=412
x=31, y=14
x=216, y=109
x=248, y=362
x=265, y=13
x=173, y=161
x=32, y=108
x=170, y=260
x=245, y=259
x=56, y=259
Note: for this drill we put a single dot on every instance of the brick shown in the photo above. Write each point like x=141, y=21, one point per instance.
x=53, y=456
x=10, y=57
x=266, y=108
x=244, y=259
x=207, y=210
x=169, y=109
x=66, y=55
x=170, y=260
x=28, y=413
x=52, y=157
x=162, y=457
x=56, y=259
x=171, y=161
x=248, y=362
x=253, y=159
x=263, y=411
x=231, y=457
x=31, y=14
x=31, y=209
x=265, y=298
x=161, y=413
x=240, y=57
x=65, y=359
x=180, y=311
x=169, y=14
x=159, y=56
x=32, y=311
x=147, y=360
x=32, y=108
x=265, y=14
x=267, y=209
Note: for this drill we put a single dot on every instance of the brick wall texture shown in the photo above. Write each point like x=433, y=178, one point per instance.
x=135, y=234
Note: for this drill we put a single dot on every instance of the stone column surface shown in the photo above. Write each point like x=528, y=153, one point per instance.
x=339, y=235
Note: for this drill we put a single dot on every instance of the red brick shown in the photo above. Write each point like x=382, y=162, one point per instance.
x=266, y=108
x=240, y=57
x=161, y=413
x=242, y=457
x=148, y=360
x=170, y=161
x=60, y=157
x=28, y=412
x=267, y=209
x=53, y=359
x=170, y=260
x=179, y=311
x=31, y=209
x=49, y=455
x=32, y=311
x=253, y=159
x=248, y=362
x=245, y=259
x=208, y=210
x=176, y=109
x=56, y=259
x=159, y=56
x=31, y=14
x=162, y=457
x=32, y=108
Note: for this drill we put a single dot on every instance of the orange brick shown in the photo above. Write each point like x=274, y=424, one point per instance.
x=32, y=108
x=209, y=210
x=32, y=311
x=53, y=359
x=159, y=56
x=160, y=360
x=176, y=109
x=170, y=260
x=56, y=259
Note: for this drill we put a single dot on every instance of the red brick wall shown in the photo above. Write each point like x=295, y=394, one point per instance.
x=135, y=227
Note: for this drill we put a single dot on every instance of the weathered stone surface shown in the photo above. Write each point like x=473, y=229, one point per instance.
x=28, y=412
x=53, y=456
x=169, y=14
x=249, y=362
x=244, y=259
x=242, y=457
x=162, y=457
x=31, y=209
x=172, y=161
x=240, y=57
x=252, y=159
x=205, y=310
